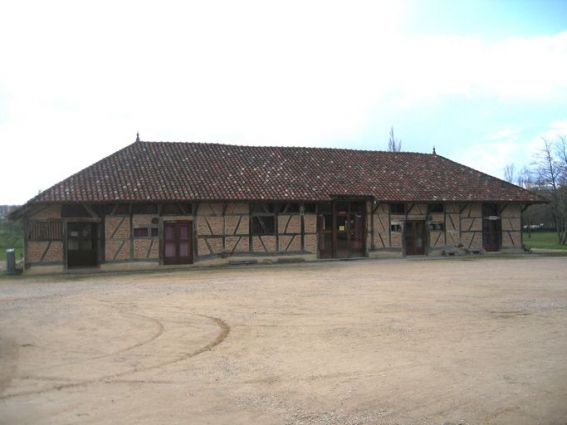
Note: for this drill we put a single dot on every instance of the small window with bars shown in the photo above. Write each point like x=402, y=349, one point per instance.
x=45, y=231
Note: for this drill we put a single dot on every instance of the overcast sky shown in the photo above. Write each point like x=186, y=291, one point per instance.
x=482, y=81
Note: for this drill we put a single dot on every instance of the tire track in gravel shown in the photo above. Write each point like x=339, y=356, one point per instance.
x=222, y=335
x=156, y=335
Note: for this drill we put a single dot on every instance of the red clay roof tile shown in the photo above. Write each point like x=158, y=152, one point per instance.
x=164, y=171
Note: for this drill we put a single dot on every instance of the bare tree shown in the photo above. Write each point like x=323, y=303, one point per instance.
x=561, y=150
x=509, y=173
x=562, y=156
x=551, y=174
x=525, y=178
x=394, y=145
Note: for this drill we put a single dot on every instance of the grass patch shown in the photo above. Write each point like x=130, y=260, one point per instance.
x=543, y=240
x=11, y=236
x=552, y=254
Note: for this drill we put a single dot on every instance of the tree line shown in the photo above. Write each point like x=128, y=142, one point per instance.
x=546, y=176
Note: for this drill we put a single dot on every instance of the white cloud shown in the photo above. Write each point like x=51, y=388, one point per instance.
x=507, y=133
x=509, y=146
x=78, y=79
x=489, y=158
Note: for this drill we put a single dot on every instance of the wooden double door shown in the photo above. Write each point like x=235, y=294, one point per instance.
x=177, y=242
x=414, y=237
x=341, y=229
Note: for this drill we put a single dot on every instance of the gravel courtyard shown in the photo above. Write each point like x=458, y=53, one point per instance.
x=450, y=341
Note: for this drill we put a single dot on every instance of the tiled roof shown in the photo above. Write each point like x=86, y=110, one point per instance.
x=160, y=171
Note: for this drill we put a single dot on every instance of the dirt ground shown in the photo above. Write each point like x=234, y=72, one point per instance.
x=366, y=342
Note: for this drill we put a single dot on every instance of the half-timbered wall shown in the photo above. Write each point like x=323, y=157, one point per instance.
x=436, y=226
x=236, y=228
x=145, y=245
x=453, y=224
x=511, y=216
x=310, y=231
x=136, y=237
x=369, y=225
x=396, y=230
x=117, y=238
x=44, y=236
x=381, y=227
x=457, y=226
x=289, y=232
x=210, y=228
x=222, y=229
x=471, y=226
x=225, y=229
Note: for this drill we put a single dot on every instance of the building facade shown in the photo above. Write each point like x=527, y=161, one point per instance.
x=156, y=205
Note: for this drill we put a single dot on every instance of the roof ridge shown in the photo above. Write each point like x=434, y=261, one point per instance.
x=285, y=147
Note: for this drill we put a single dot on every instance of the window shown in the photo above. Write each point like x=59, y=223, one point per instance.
x=263, y=218
x=141, y=232
x=103, y=209
x=398, y=208
x=291, y=208
x=309, y=208
x=45, y=230
x=263, y=225
x=122, y=209
x=436, y=208
x=171, y=209
x=326, y=222
x=146, y=231
x=74, y=210
x=325, y=207
x=396, y=227
x=357, y=207
x=490, y=210
x=263, y=208
x=437, y=226
x=144, y=209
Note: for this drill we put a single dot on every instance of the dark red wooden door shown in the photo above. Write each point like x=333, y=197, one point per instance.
x=414, y=235
x=356, y=229
x=340, y=228
x=325, y=233
x=177, y=243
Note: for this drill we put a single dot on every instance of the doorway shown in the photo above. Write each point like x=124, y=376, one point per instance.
x=414, y=237
x=177, y=242
x=340, y=227
x=491, y=228
x=82, y=245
